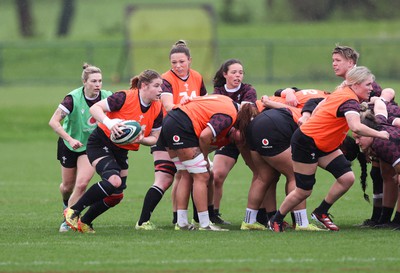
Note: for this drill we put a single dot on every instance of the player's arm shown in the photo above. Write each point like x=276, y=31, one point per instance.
x=167, y=97
x=55, y=124
x=272, y=104
x=167, y=101
x=152, y=138
x=355, y=125
x=205, y=139
x=98, y=111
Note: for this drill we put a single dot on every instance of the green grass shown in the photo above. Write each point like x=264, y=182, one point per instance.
x=30, y=174
x=31, y=213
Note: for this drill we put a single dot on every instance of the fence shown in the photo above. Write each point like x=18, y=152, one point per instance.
x=264, y=61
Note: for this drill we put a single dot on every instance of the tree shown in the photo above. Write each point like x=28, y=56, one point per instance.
x=311, y=10
x=24, y=9
x=236, y=14
x=66, y=16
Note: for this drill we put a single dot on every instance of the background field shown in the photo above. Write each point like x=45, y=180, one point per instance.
x=30, y=175
x=271, y=47
x=31, y=214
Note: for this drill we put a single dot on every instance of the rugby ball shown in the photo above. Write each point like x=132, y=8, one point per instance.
x=131, y=130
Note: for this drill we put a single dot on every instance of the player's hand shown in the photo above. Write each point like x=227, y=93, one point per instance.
x=185, y=99
x=139, y=138
x=110, y=123
x=291, y=99
x=384, y=135
x=75, y=144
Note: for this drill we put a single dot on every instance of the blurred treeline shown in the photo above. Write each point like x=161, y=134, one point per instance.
x=228, y=11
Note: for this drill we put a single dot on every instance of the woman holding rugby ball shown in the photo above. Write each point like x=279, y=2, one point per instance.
x=140, y=103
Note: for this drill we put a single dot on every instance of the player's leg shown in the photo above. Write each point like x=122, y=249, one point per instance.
x=85, y=172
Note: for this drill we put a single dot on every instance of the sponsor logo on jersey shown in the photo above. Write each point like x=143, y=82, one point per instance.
x=177, y=140
x=265, y=143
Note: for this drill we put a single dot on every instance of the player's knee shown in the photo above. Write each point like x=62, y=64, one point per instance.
x=347, y=180
x=66, y=188
x=108, y=167
x=339, y=166
x=219, y=176
x=115, y=180
x=165, y=166
x=196, y=165
x=80, y=187
x=163, y=181
x=304, y=181
x=114, y=199
x=301, y=194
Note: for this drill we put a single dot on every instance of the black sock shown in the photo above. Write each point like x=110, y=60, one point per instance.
x=376, y=213
x=323, y=207
x=262, y=216
x=386, y=215
x=293, y=218
x=94, y=211
x=195, y=216
x=270, y=214
x=211, y=212
x=377, y=189
x=65, y=202
x=151, y=200
x=279, y=217
x=95, y=193
x=174, y=217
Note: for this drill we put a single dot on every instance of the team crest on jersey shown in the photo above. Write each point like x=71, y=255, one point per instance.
x=91, y=121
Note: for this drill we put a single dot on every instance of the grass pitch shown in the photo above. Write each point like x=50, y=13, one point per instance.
x=31, y=214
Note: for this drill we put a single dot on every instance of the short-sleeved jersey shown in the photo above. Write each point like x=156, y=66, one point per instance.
x=192, y=86
x=79, y=123
x=327, y=128
x=387, y=150
x=131, y=110
x=393, y=111
x=376, y=90
x=202, y=109
x=246, y=92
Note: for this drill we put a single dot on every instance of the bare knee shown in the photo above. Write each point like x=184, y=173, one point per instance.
x=219, y=177
x=346, y=180
x=66, y=187
x=301, y=194
x=163, y=180
x=115, y=180
x=81, y=185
